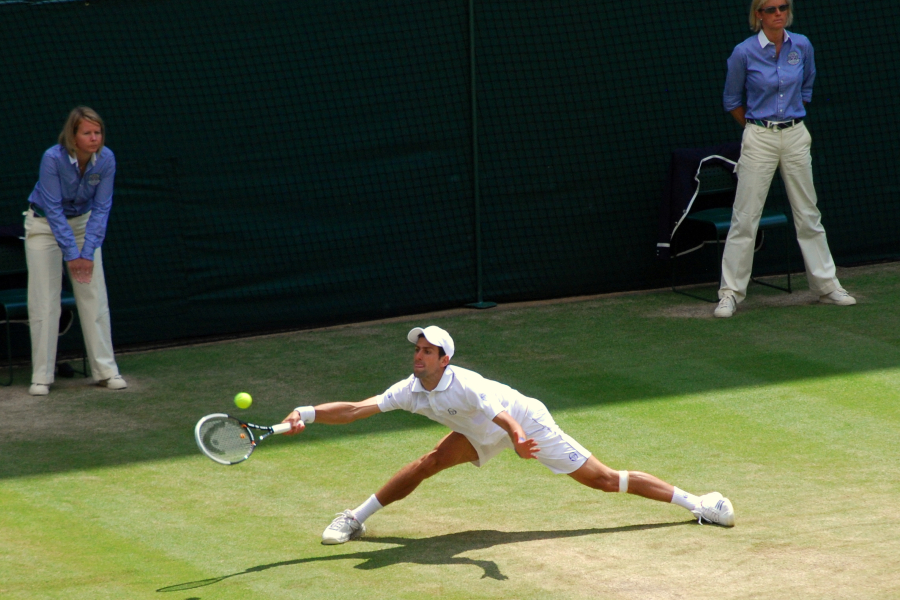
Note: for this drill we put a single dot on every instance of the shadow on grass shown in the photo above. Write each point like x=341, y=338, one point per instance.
x=437, y=550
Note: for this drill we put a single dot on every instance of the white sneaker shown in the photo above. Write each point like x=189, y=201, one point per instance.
x=39, y=389
x=840, y=297
x=113, y=383
x=344, y=528
x=726, y=307
x=715, y=509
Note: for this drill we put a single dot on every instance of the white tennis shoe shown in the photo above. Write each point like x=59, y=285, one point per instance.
x=344, y=528
x=39, y=389
x=113, y=383
x=726, y=307
x=839, y=297
x=715, y=509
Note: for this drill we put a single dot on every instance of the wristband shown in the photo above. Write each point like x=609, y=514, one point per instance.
x=307, y=413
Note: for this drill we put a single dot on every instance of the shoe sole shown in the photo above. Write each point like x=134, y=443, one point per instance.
x=355, y=536
x=331, y=542
x=334, y=542
x=111, y=387
x=728, y=517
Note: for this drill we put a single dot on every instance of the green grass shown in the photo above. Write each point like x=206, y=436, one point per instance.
x=789, y=408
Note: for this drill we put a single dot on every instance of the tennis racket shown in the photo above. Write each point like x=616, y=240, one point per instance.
x=228, y=440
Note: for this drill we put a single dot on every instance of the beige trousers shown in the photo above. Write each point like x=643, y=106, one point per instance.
x=762, y=151
x=45, y=262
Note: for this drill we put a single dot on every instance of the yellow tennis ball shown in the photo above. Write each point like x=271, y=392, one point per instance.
x=243, y=400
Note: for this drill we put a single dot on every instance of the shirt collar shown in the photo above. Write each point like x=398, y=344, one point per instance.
x=764, y=41
x=443, y=384
x=74, y=159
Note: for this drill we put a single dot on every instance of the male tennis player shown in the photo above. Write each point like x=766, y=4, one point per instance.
x=485, y=417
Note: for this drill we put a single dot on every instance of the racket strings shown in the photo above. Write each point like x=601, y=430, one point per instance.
x=226, y=439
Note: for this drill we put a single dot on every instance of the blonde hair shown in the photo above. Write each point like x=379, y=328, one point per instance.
x=756, y=23
x=79, y=114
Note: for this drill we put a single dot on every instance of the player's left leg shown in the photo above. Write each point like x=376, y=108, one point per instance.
x=796, y=172
x=595, y=474
x=93, y=312
x=710, y=507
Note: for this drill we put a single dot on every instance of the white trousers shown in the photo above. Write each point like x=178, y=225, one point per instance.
x=762, y=151
x=45, y=262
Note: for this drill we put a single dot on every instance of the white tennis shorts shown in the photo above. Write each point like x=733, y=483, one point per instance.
x=559, y=451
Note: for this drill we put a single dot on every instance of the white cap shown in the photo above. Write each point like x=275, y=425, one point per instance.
x=435, y=335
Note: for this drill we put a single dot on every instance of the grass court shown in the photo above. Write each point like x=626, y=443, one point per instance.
x=790, y=408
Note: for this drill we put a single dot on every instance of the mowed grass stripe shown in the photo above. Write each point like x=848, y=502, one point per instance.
x=62, y=550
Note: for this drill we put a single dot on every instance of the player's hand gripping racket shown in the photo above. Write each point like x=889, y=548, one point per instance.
x=228, y=440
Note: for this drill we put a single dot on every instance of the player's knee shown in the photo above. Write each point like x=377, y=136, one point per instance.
x=434, y=462
x=606, y=481
x=610, y=481
x=613, y=481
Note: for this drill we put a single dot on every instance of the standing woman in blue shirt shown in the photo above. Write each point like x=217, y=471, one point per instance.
x=66, y=221
x=769, y=82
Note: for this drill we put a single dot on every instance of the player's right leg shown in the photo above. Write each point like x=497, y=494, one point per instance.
x=760, y=154
x=45, y=262
x=454, y=449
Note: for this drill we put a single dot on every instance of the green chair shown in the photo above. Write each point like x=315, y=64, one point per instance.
x=717, y=186
x=14, y=297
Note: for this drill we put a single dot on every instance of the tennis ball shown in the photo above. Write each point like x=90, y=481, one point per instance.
x=243, y=400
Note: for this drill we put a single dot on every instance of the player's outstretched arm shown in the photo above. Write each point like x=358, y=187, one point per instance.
x=335, y=413
x=525, y=448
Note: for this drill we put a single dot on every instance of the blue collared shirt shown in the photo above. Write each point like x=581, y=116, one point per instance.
x=62, y=191
x=775, y=88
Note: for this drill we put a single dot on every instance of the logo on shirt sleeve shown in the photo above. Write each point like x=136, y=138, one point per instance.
x=793, y=58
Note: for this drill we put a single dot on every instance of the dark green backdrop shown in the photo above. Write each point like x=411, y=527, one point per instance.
x=287, y=164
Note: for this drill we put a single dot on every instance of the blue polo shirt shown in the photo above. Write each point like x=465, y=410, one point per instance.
x=775, y=88
x=63, y=192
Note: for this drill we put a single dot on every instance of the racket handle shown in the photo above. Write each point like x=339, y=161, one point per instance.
x=281, y=428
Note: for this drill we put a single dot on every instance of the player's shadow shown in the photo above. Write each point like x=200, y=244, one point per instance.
x=438, y=550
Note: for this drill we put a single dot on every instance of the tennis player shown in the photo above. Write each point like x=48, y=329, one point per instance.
x=485, y=417
x=774, y=70
x=66, y=221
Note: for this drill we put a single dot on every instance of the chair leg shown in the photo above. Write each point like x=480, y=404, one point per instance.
x=684, y=293
x=772, y=285
x=719, y=256
x=787, y=255
x=64, y=330
x=8, y=355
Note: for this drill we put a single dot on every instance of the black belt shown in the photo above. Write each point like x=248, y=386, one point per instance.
x=40, y=213
x=775, y=124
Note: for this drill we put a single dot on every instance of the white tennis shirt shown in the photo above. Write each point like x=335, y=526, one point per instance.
x=464, y=401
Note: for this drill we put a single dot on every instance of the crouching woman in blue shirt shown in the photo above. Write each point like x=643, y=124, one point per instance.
x=773, y=73
x=66, y=221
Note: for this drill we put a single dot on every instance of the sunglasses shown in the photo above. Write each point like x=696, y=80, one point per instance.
x=771, y=9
